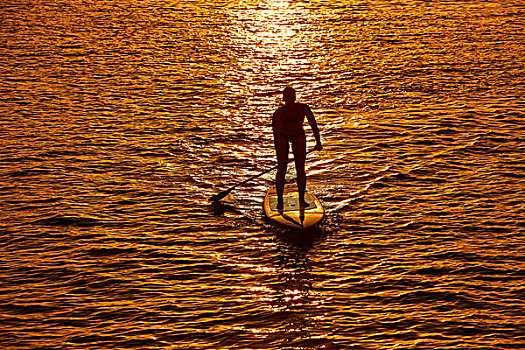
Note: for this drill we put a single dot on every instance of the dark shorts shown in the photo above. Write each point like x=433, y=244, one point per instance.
x=298, y=145
x=291, y=138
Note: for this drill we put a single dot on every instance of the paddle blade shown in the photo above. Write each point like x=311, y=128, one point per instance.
x=219, y=196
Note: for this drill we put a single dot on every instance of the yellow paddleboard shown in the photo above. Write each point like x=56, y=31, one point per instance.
x=292, y=216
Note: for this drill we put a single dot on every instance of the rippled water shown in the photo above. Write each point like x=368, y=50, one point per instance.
x=119, y=119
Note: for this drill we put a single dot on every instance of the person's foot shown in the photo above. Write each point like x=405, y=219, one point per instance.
x=303, y=204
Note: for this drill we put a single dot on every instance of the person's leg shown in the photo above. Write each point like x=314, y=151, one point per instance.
x=299, y=151
x=282, y=149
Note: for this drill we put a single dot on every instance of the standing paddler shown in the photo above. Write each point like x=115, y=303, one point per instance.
x=287, y=125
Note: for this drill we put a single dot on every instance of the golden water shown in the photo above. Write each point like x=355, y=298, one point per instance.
x=119, y=119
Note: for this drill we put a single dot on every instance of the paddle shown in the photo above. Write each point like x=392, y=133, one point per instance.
x=221, y=195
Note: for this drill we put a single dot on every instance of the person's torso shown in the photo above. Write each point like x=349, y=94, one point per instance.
x=291, y=119
x=293, y=115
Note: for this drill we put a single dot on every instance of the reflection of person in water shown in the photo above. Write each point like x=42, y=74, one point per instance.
x=287, y=124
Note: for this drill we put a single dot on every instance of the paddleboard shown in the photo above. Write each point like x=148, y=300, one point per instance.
x=292, y=216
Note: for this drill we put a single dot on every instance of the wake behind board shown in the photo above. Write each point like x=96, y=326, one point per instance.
x=292, y=216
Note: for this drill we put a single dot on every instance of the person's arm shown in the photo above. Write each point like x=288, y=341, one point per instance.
x=275, y=127
x=315, y=129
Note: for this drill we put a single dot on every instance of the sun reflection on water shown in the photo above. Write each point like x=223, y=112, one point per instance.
x=272, y=44
x=271, y=40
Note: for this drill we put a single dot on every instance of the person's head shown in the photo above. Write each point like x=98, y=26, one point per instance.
x=289, y=95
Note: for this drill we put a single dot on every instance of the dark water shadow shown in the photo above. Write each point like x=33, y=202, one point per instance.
x=304, y=239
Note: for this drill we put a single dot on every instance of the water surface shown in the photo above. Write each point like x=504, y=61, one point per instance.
x=118, y=120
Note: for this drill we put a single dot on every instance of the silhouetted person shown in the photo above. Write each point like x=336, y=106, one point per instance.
x=287, y=125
